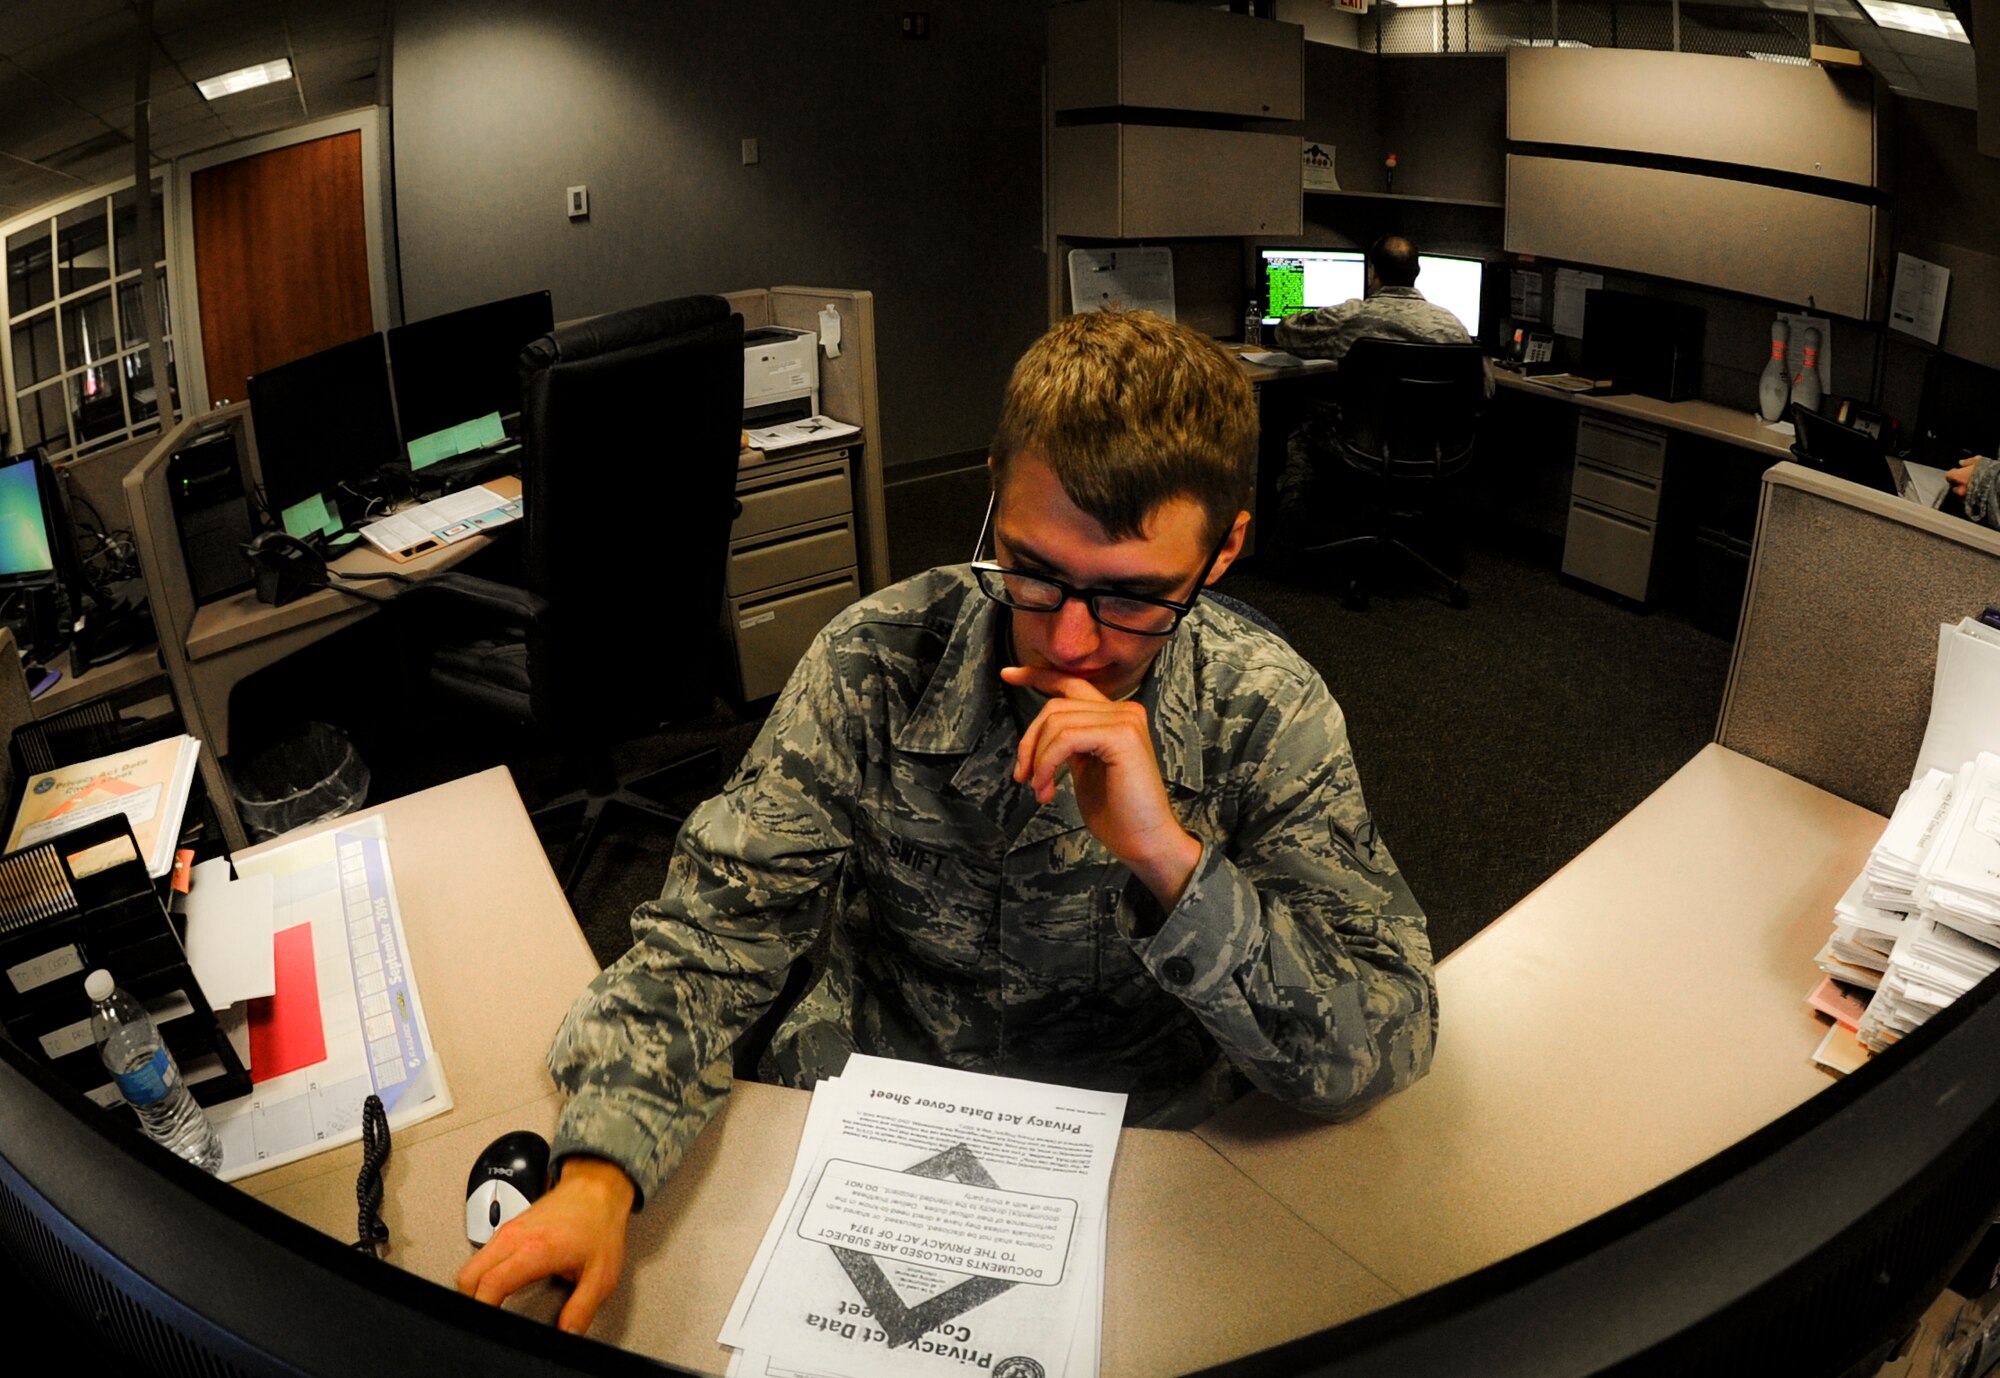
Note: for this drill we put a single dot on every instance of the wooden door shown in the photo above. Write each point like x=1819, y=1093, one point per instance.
x=281, y=258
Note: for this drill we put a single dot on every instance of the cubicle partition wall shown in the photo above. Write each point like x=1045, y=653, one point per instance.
x=1831, y=681
x=1775, y=174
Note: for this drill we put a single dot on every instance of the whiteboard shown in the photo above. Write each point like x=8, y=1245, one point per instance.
x=1122, y=280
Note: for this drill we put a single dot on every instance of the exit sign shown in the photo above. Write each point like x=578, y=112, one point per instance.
x=1351, y=6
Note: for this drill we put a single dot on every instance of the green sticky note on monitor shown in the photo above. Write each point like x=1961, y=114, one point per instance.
x=457, y=440
x=303, y=519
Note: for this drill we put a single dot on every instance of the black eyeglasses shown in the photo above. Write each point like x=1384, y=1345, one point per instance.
x=1124, y=612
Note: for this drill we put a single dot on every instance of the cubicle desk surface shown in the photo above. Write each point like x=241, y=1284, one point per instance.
x=1202, y=1264
x=1259, y=375
x=498, y=960
x=234, y=637
x=1638, y=1013
x=128, y=671
x=1694, y=417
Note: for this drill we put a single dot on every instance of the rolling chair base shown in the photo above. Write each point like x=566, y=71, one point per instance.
x=594, y=803
x=1372, y=547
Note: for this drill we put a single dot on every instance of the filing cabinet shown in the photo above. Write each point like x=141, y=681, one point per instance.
x=1615, y=506
x=792, y=562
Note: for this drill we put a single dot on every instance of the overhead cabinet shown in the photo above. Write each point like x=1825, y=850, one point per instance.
x=1772, y=117
x=1133, y=181
x=1143, y=54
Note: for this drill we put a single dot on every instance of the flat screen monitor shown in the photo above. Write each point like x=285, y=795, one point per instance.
x=1453, y=283
x=1298, y=280
x=1956, y=416
x=323, y=421
x=457, y=375
x=25, y=551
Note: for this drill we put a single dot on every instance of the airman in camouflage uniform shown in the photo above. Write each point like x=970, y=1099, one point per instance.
x=1393, y=309
x=968, y=925
x=1100, y=833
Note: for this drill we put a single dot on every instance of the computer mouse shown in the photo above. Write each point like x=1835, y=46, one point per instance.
x=506, y=1178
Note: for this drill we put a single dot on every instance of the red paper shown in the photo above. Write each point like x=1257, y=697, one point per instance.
x=285, y=1030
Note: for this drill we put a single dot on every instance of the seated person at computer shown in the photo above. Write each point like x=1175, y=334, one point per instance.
x=1050, y=816
x=1977, y=481
x=1393, y=309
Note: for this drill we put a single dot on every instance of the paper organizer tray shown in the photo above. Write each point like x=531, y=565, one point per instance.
x=82, y=901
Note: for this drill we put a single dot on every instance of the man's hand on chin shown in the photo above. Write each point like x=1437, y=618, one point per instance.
x=1107, y=748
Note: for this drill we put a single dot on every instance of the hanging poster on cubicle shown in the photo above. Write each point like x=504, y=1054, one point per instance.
x=1122, y=280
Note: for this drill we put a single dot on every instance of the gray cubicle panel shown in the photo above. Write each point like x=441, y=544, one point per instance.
x=1762, y=241
x=1141, y=54
x=1831, y=678
x=1807, y=121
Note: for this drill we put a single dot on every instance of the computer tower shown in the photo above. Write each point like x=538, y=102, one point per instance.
x=213, y=515
x=1643, y=344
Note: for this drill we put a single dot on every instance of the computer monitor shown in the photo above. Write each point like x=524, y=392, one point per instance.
x=458, y=375
x=26, y=554
x=323, y=421
x=1955, y=417
x=1298, y=280
x=1453, y=283
x=1838, y=449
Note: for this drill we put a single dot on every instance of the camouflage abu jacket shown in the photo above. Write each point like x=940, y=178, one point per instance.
x=876, y=824
x=1392, y=313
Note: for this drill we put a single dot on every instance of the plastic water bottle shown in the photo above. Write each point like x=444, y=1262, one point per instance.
x=146, y=1074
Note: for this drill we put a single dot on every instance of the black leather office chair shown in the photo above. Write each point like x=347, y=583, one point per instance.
x=631, y=424
x=1405, y=426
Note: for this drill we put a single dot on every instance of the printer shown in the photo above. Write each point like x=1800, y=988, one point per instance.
x=780, y=375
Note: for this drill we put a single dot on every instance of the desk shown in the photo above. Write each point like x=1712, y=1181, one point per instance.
x=1709, y=420
x=208, y=649
x=1575, y=1071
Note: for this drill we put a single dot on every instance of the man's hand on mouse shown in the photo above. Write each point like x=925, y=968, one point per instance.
x=1108, y=750
x=576, y=1230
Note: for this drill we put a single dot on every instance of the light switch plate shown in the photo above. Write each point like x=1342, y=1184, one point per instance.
x=578, y=202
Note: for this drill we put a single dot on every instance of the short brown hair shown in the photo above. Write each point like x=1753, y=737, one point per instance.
x=1130, y=411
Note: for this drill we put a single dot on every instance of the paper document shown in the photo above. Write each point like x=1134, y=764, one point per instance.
x=229, y=934
x=792, y=434
x=1916, y=303
x=440, y=522
x=345, y=990
x=1967, y=685
x=936, y=1222
x=148, y=784
x=1571, y=286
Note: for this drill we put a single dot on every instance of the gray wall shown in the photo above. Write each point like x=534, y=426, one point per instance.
x=909, y=168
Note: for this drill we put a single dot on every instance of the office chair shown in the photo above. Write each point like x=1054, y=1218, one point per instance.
x=631, y=424
x=1406, y=418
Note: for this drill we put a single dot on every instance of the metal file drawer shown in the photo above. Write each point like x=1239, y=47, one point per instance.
x=772, y=630
x=1621, y=492
x=1638, y=449
x=791, y=496
x=794, y=553
x=1609, y=550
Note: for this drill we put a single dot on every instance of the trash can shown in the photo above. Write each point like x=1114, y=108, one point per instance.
x=303, y=779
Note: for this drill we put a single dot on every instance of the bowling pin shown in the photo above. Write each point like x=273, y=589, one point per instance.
x=1773, y=389
x=1806, y=388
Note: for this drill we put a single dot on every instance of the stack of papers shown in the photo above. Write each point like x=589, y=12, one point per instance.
x=148, y=784
x=1939, y=862
x=936, y=1221
x=1962, y=721
x=421, y=529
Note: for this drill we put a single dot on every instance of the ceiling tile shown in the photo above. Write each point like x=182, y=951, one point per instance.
x=26, y=26
x=107, y=42
x=211, y=50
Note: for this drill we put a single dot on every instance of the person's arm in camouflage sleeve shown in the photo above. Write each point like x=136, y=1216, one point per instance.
x=1325, y=333
x=645, y=1054
x=1298, y=945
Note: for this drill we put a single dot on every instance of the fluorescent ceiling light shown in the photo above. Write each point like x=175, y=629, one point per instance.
x=1789, y=59
x=245, y=79
x=1915, y=19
